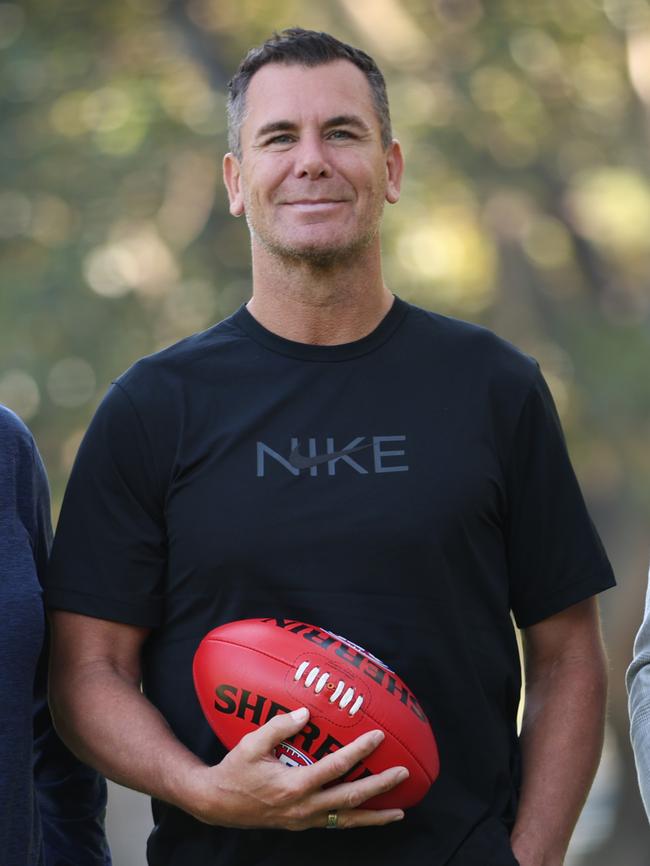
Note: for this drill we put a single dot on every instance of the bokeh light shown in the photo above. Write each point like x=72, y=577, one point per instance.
x=20, y=392
x=71, y=382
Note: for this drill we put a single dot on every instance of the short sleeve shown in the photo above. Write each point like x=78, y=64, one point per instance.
x=109, y=552
x=555, y=556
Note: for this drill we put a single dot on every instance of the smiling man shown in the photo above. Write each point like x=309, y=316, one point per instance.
x=312, y=185
x=335, y=455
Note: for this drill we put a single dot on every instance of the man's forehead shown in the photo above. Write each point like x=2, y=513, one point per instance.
x=290, y=91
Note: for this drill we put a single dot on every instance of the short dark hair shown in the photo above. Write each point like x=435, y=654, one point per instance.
x=305, y=48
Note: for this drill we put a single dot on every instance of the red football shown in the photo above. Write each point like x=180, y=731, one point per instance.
x=248, y=671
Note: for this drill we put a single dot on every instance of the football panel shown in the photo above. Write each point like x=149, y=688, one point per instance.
x=391, y=753
x=238, y=689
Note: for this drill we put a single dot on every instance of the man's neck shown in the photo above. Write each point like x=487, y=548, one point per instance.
x=317, y=305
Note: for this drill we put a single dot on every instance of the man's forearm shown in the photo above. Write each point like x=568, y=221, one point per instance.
x=119, y=732
x=561, y=742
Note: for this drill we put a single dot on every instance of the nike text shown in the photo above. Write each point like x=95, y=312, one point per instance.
x=372, y=454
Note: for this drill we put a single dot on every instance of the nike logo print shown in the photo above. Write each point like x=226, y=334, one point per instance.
x=299, y=462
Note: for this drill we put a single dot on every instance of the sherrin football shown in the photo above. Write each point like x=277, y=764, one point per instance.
x=248, y=671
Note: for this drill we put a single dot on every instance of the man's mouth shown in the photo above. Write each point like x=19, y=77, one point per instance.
x=315, y=204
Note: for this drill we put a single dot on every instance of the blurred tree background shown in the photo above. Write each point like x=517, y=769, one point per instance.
x=526, y=208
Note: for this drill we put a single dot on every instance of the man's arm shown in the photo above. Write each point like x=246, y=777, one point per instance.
x=101, y=713
x=562, y=732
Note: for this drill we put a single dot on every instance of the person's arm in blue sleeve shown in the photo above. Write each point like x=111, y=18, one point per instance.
x=638, y=687
x=71, y=796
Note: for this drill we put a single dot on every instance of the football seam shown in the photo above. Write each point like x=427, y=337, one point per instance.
x=231, y=642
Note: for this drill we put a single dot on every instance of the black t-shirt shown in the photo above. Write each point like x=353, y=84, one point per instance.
x=211, y=487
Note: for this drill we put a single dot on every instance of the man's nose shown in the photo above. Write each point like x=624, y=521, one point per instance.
x=311, y=158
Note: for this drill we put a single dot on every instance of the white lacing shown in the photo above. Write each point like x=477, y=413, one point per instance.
x=341, y=694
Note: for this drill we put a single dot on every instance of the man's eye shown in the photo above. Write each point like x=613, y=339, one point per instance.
x=340, y=134
x=284, y=138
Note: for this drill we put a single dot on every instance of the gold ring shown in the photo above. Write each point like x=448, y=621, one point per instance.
x=332, y=820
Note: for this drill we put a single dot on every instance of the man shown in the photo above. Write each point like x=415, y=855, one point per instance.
x=332, y=454
x=51, y=806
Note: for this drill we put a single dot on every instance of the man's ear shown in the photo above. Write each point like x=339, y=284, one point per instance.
x=394, y=171
x=232, y=181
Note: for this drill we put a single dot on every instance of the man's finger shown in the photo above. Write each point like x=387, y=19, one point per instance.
x=346, y=820
x=279, y=728
x=351, y=795
x=336, y=764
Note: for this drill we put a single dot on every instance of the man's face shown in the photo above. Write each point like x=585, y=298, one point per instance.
x=314, y=175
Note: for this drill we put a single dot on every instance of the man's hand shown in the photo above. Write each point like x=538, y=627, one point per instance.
x=251, y=788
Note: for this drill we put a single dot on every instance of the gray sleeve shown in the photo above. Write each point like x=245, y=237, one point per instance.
x=638, y=687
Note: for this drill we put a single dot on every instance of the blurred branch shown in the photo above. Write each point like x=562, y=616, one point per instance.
x=198, y=44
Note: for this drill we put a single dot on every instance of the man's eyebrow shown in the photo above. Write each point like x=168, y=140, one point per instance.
x=289, y=126
x=275, y=126
x=347, y=120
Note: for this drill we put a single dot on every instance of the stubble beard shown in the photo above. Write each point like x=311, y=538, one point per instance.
x=316, y=257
